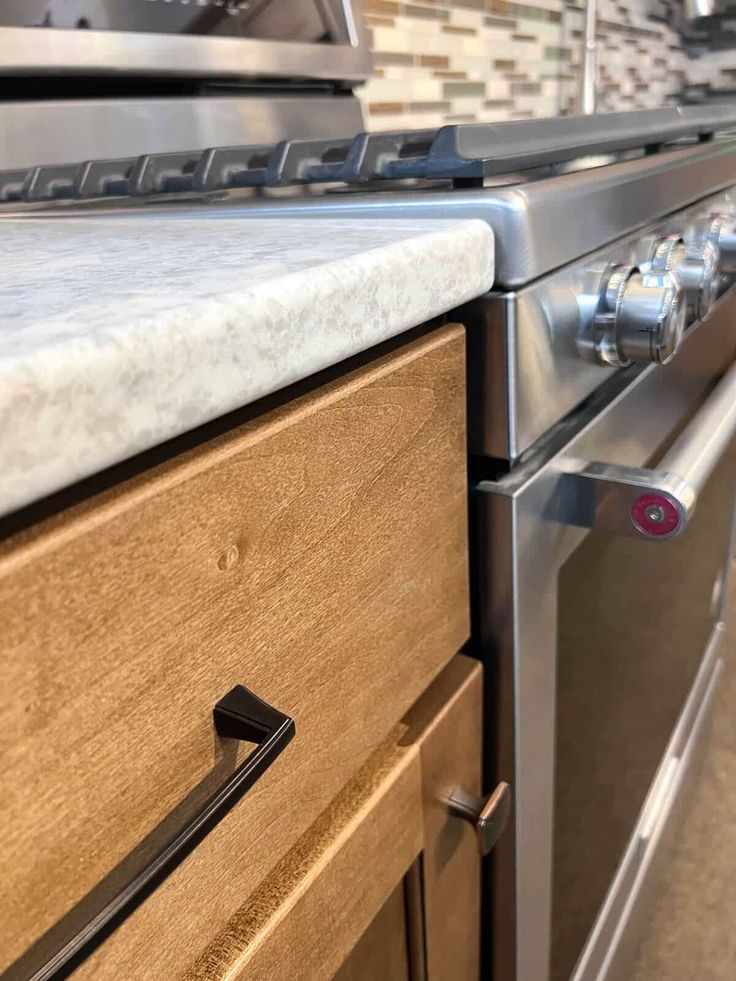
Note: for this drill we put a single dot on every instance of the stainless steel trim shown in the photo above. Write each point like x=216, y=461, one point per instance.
x=695, y=453
x=30, y=50
x=352, y=28
x=70, y=130
x=612, y=943
x=608, y=496
x=524, y=538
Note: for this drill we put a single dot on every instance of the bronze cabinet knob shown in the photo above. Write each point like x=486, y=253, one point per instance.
x=488, y=815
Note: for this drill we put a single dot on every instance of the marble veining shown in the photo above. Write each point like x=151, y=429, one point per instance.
x=116, y=335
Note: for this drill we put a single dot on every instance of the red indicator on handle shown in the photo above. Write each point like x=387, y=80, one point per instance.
x=655, y=515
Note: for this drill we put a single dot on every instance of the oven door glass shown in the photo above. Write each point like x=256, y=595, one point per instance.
x=634, y=620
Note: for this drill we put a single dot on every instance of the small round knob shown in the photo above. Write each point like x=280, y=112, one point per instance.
x=696, y=265
x=641, y=317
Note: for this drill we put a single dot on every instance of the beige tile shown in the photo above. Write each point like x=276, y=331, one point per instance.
x=434, y=61
x=381, y=6
x=385, y=108
x=641, y=59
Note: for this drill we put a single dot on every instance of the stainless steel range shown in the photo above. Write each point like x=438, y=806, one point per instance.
x=602, y=418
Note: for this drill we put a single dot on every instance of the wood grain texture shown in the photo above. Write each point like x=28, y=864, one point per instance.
x=305, y=920
x=317, y=555
x=322, y=905
x=382, y=950
x=447, y=725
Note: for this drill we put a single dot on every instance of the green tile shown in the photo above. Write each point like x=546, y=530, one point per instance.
x=450, y=89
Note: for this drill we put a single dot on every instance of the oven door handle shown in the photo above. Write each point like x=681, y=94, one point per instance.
x=658, y=503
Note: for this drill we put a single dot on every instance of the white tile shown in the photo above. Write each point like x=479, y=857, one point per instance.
x=390, y=40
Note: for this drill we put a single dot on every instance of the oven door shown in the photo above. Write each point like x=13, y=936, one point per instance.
x=601, y=650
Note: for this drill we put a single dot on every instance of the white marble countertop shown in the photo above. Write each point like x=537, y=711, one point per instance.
x=118, y=335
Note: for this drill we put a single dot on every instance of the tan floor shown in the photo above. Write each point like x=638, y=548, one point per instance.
x=692, y=935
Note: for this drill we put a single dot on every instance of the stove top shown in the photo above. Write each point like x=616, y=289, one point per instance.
x=462, y=153
x=531, y=181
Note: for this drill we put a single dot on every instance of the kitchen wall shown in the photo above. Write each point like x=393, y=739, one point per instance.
x=715, y=70
x=446, y=61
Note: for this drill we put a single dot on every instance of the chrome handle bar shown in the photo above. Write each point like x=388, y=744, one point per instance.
x=658, y=503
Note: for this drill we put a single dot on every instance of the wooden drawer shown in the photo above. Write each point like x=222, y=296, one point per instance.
x=385, y=876
x=316, y=555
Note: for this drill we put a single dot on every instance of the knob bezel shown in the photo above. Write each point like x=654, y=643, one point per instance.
x=641, y=317
x=720, y=230
x=695, y=262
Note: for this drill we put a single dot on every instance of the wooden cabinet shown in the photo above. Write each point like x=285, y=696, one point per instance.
x=318, y=556
x=384, y=950
x=386, y=875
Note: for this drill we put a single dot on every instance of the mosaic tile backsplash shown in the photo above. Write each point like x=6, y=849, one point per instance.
x=450, y=61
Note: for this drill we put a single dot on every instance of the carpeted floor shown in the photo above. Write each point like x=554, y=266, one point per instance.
x=692, y=935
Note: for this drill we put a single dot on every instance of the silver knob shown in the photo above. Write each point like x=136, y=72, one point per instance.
x=487, y=815
x=721, y=231
x=696, y=265
x=640, y=317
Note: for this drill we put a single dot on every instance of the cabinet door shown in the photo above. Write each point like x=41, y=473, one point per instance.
x=446, y=725
x=386, y=883
x=383, y=950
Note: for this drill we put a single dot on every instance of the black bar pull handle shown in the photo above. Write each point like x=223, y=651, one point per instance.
x=238, y=715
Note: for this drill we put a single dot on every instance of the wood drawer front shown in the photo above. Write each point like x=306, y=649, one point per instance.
x=315, y=914
x=316, y=555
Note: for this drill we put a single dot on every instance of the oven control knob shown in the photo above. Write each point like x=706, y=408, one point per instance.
x=640, y=317
x=696, y=264
x=720, y=230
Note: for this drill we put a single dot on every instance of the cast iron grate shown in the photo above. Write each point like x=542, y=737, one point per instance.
x=464, y=152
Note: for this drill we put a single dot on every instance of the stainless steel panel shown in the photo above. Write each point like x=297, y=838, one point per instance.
x=54, y=52
x=624, y=918
x=634, y=620
x=67, y=131
x=523, y=345
x=521, y=545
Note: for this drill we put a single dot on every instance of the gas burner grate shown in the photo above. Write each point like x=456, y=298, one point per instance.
x=465, y=152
